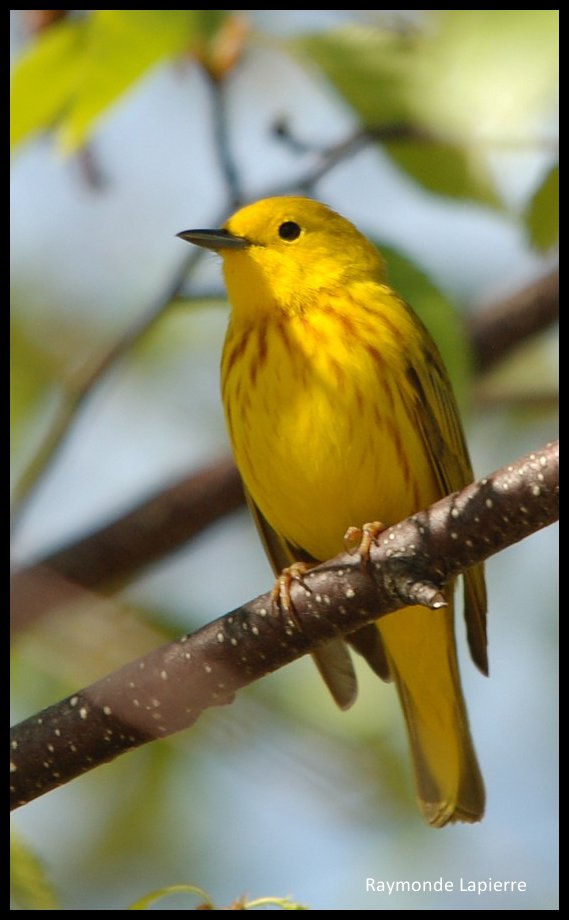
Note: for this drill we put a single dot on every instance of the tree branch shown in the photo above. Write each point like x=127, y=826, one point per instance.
x=108, y=558
x=498, y=328
x=330, y=157
x=167, y=690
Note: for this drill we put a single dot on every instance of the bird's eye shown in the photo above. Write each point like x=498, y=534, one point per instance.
x=289, y=231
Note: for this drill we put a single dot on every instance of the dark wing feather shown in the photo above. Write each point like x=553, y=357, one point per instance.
x=368, y=642
x=433, y=407
x=333, y=658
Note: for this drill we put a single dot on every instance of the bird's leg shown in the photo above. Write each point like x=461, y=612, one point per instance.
x=360, y=540
x=280, y=594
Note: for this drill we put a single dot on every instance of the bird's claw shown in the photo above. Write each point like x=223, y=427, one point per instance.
x=280, y=594
x=360, y=540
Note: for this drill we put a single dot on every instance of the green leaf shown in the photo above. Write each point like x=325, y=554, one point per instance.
x=542, y=214
x=284, y=904
x=472, y=82
x=29, y=885
x=76, y=70
x=438, y=314
x=368, y=66
x=145, y=902
x=375, y=71
x=120, y=46
x=44, y=79
x=488, y=75
x=445, y=168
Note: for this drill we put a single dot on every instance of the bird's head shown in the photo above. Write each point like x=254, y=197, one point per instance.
x=285, y=252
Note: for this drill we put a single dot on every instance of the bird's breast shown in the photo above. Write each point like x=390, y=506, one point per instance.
x=320, y=431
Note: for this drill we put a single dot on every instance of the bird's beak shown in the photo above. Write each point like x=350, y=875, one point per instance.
x=214, y=239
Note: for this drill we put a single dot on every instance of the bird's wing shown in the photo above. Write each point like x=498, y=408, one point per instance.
x=333, y=658
x=432, y=405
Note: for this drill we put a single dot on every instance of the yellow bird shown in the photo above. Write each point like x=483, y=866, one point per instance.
x=340, y=412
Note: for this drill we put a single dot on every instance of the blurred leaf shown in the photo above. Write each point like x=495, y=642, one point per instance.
x=145, y=902
x=76, y=70
x=177, y=331
x=438, y=314
x=489, y=74
x=31, y=372
x=207, y=904
x=120, y=46
x=445, y=168
x=473, y=81
x=136, y=796
x=370, y=68
x=29, y=884
x=530, y=373
x=44, y=79
x=283, y=903
x=542, y=215
x=374, y=71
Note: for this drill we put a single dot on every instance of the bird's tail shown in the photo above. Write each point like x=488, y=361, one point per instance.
x=421, y=654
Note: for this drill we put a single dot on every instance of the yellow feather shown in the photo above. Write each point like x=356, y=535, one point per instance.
x=340, y=412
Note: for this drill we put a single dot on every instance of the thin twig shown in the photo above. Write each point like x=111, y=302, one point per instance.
x=79, y=389
x=329, y=157
x=222, y=145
